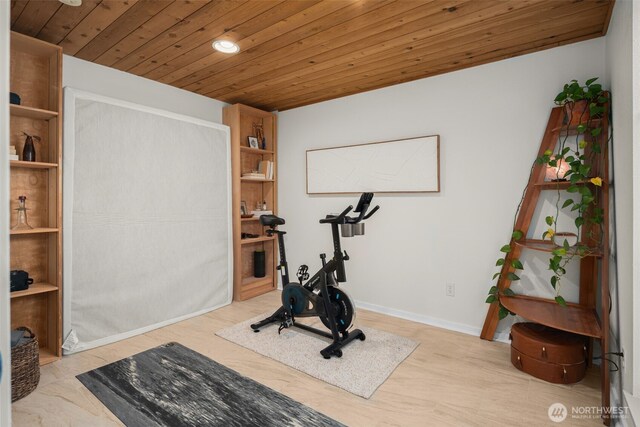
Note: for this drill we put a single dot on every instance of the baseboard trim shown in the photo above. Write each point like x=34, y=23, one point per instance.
x=431, y=321
x=122, y=336
x=633, y=403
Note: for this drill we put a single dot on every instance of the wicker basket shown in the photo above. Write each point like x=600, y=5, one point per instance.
x=25, y=367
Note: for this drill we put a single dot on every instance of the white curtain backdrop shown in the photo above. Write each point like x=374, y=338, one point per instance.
x=147, y=219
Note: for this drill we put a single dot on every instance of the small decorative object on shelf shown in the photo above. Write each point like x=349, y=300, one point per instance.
x=13, y=155
x=258, y=131
x=20, y=280
x=14, y=98
x=558, y=171
x=253, y=142
x=243, y=208
x=259, y=212
x=29, y=150
x=258, y=264
x=22, y=223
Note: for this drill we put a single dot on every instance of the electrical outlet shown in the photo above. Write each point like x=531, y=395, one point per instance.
x=451, y=289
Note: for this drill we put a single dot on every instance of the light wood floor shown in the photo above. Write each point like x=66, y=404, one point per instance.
x=452, y=379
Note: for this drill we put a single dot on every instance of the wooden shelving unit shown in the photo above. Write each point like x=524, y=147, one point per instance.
x=32, y=165
x=548, y=246
x=256, y=179
x=255, y=150
x=36, y=288
x=558, y=185
x=32, y=113
x=250, y=241
x=586, y=317
x=572, y=318
x=36, y=75
x=253, y=219
x=241, y=119
x=39, y=230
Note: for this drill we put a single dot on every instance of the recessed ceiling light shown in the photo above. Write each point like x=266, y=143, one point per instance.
x=225, y=46
x=71, y=2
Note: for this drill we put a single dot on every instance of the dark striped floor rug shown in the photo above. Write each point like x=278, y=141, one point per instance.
x=174, y=386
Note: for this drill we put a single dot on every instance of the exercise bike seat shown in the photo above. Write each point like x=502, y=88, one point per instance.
x=271, y=220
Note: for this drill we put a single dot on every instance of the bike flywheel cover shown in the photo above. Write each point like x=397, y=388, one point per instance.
x=293, y=296
x=345, y=309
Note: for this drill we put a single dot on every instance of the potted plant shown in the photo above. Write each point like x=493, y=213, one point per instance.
x=575, y=161
x=581, y=102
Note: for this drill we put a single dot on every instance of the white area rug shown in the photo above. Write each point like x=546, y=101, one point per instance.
x=364, y=366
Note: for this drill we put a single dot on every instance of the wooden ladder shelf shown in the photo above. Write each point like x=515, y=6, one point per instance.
x=581, y=318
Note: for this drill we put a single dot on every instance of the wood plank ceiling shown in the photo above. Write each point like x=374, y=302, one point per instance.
x=295, y=53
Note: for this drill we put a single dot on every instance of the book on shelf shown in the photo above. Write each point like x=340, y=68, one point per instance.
x=253, y=175
x=266, y=167
x=13, y=157
x=257, y=214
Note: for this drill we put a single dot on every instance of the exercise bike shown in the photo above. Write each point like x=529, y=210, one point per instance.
x=320, y=296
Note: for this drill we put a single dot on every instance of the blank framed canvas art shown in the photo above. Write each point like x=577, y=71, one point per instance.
x=401, y=166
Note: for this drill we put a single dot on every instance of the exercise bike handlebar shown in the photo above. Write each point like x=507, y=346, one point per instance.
x=344, y=219
x=362, y=216
x=374, y=210
x=330, y=219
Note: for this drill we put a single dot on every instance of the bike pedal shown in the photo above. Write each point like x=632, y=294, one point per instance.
x=285, y=324
x=302, y=272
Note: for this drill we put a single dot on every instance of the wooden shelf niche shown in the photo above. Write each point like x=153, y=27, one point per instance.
x=241, y=119
x=36, y=76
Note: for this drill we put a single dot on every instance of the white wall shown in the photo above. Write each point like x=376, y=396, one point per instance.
x=636, y=201
x=490, y=120
x=619, y=70
x=5, y=352
x=101, y=80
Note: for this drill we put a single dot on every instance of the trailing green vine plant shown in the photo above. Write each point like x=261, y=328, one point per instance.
x=584, y=106
x=516, y=264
